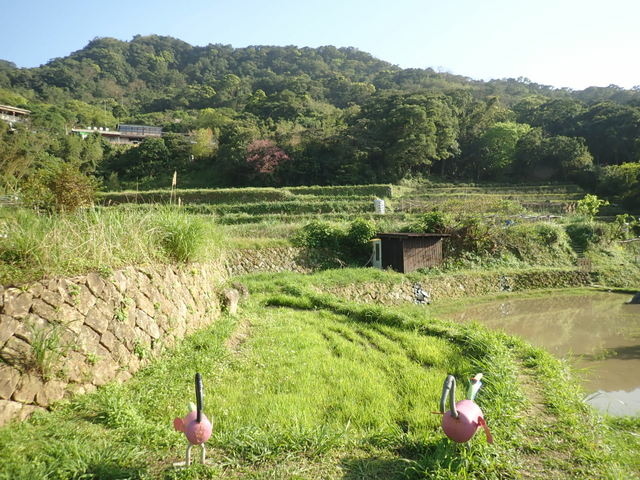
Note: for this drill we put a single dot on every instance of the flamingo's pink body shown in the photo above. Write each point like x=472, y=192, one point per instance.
x=463, y=428
x=196, y=432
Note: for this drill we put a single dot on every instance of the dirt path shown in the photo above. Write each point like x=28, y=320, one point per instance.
x=542, y=454
x=240, y=335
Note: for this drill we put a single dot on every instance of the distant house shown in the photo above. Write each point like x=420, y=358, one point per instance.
x=124, y=135
x=406, y=252
x=13, y=115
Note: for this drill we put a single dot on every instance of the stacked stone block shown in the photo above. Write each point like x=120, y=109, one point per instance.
x=278, y=259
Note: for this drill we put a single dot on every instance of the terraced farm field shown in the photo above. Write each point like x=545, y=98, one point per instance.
x=278, y=211
x=304, y=385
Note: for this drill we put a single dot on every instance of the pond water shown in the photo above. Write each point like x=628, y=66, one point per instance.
x=598, y=332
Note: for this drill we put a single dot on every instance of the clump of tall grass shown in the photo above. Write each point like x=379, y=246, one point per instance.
x=181, y=236
x=40, y=245
x=47, y=346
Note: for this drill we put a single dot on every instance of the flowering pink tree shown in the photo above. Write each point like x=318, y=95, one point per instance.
x=264, y=156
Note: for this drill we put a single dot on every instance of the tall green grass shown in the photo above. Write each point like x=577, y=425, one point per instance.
x=38, y=245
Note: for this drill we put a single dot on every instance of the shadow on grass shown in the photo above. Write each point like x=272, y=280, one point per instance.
x=375, y=467
x=111, y=471
x=412, y=461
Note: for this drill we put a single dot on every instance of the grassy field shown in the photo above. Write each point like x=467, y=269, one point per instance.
x=305, y=386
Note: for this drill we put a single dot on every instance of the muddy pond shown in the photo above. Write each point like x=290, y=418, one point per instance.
x=597, y=332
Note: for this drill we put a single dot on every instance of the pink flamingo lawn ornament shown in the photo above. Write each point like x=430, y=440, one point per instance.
x=462, y=419
x=195, y=425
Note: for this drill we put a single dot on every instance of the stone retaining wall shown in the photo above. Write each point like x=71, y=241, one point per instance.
x=461, y=285
x=64, y=336
x=277, y=259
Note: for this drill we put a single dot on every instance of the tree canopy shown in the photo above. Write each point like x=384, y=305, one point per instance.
x=286, y=115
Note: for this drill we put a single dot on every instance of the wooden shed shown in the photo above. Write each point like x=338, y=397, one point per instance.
x=406, y=252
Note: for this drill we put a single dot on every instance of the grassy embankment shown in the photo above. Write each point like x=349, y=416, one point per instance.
x=101, y=239
x=305, y=385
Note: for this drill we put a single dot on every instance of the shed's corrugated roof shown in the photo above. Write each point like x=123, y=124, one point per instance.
x=411, y=235
x=15, y=109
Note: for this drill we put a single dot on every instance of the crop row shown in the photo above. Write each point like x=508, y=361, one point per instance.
x=244, y=195
x=498, y=189
x=522, y=196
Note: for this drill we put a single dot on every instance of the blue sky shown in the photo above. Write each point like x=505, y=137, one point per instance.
x=564, y=43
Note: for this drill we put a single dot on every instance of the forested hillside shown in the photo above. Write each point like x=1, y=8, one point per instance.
x=268, y=115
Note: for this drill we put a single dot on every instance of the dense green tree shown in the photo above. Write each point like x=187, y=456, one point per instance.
x=204, y=143
x=21, y=153
x=555, y=116
x=612, y=133
x=569, y=155
x=475, y=117
x=231, y=167
x=341, y=115
x=404, y=134
x=497, y=150
x=150, y=159
x=540, y=157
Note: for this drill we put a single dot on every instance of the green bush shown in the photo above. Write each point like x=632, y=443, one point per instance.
x=435, y=222
x=180, y=236
x=625, y=226
x=614, y=180
x=358, y=238
x=590, y=205
x=472, y=234
x=62, y=188
x=349, y=246
x=539, y=244
x=547, y=233
x=317, y=234
x=587, y=234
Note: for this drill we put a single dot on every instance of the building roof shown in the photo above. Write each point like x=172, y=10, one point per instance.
x=9, y=108
x=404, y=235
x=130, y=133
x=106, y=133
x=139, y=129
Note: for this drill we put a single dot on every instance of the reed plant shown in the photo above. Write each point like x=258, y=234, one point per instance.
x=38, y=245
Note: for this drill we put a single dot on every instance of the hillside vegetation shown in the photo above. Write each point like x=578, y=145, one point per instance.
x=305, y=383
x=272, y=116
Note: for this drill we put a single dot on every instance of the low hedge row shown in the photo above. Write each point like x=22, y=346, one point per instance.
x=245, y=195
x=500, y=188
x=345, y=190
x=283, y=207
x=226, y=195
x=245, y=218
